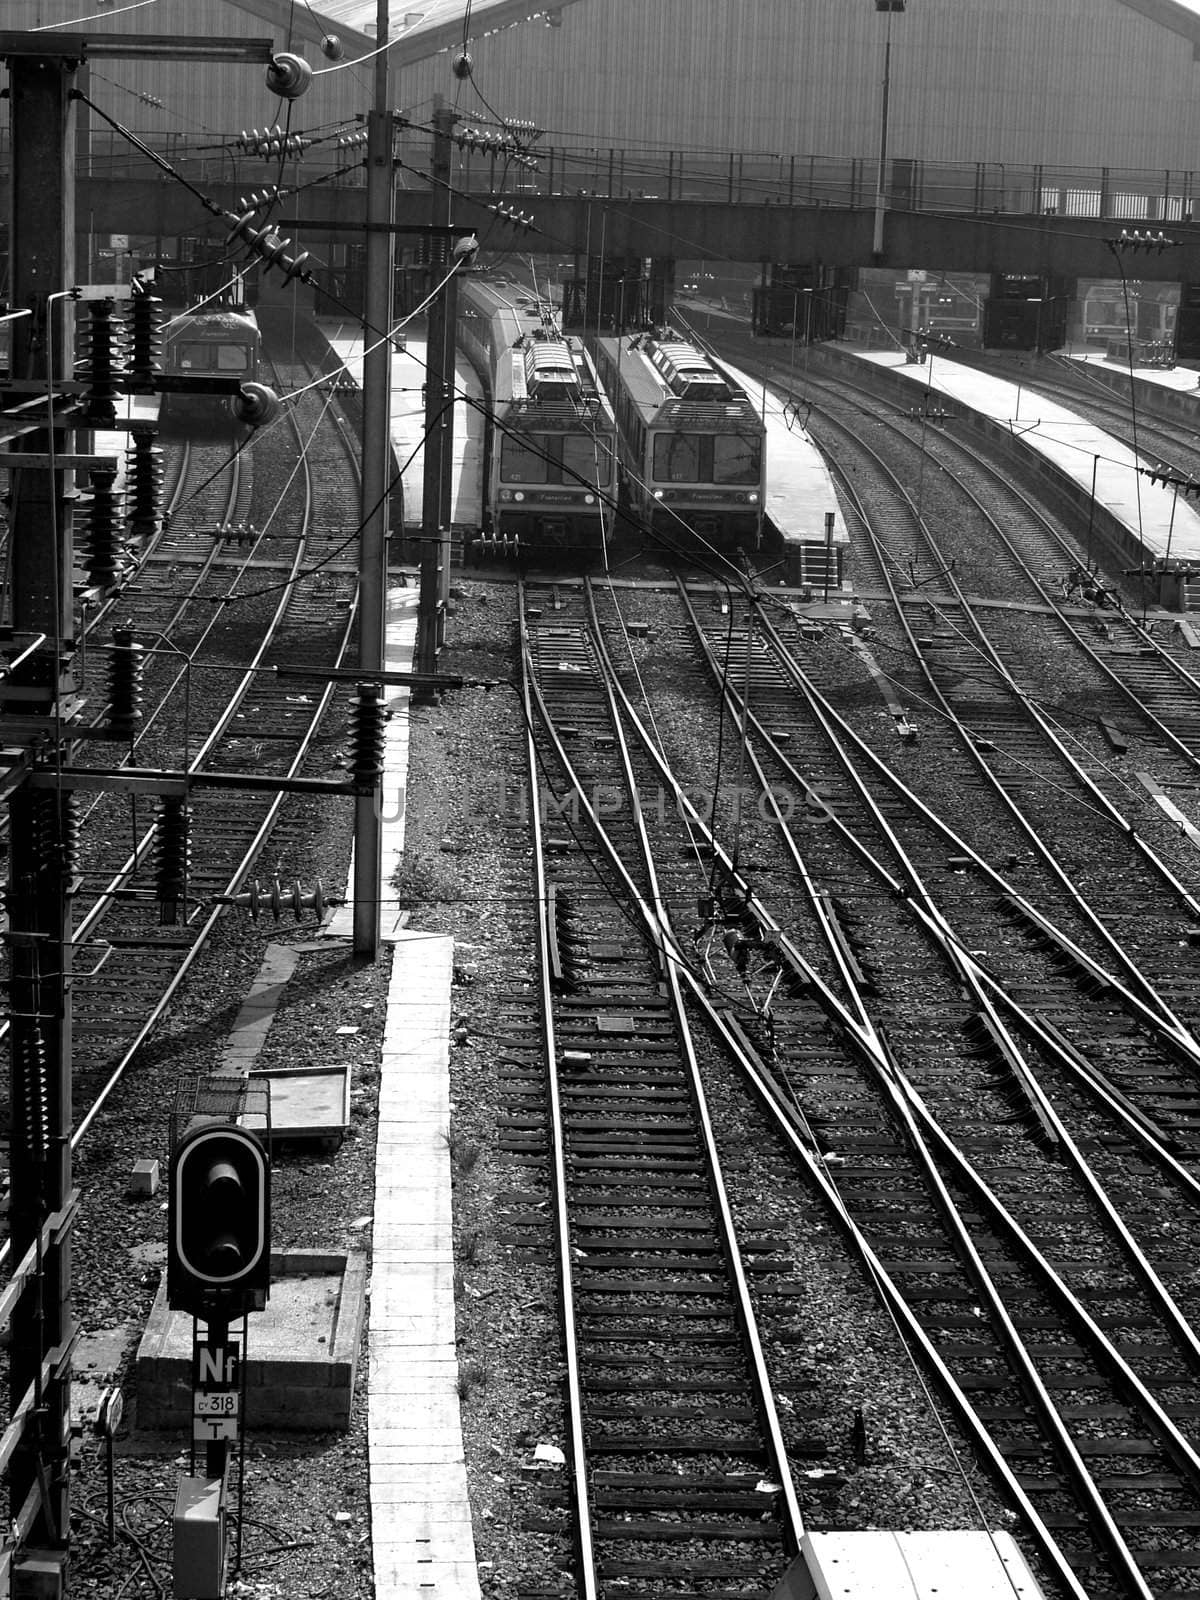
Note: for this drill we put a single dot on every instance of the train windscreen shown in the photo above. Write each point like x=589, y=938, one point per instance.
x=208, y=357
x=725, y=458
x=554, y=458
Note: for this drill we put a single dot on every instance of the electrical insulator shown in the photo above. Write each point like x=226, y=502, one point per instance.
x=31, y=1090
x=462, y=66
x=272, y=142
x=126, y=663
x=350, y=141
x=255, y=899
x=72, y=840
x=256, y=405
x=267, y=244
x=288, y=75
x=102, y=561
x=332, y=47
x=519, y=219
x=145, y=338
x=256, y=202
x=172, y=856
x=252, y=140
x=143, y=484
x=42, y=822
x=367, y=736
x=101, y=362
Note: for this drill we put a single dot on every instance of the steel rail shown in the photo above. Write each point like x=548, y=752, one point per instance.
x=905, y=1099
x=1147, y=641
x=889, y=1077
x=989, y=657
x=1162, y=1022
x=585, y=1549
x=788, y=1124
x=664, y=942
x=987, y=994
x=794, y=1524
x=870, y=1049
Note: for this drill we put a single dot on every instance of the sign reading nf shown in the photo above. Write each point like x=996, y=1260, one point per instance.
x=216, y=1391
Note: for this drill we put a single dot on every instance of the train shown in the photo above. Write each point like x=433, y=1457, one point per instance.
x=213, y=341
x=550, y=445
x=692, y=442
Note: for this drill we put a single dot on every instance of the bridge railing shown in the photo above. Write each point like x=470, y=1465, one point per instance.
x=1117, y=194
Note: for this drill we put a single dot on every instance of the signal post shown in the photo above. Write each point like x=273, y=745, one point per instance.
x=218, y=1271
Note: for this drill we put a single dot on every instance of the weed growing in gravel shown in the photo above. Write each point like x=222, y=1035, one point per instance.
x=422, y=881
x=464, y=1153
x=468, y=1246
x=472, y=1374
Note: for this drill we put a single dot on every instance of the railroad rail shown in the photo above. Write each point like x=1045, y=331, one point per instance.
x=977, y=1183
x=664, y=1364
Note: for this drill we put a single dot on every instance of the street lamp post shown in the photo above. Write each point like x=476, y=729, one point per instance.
x=877, y=237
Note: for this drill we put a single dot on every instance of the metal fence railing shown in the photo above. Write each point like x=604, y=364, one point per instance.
x=977, y=188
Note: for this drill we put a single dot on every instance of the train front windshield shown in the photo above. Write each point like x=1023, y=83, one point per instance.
x=724, y=458
x=556, y=458
x=209, y=357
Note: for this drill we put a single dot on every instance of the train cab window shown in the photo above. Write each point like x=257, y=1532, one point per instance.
x=678, y=457
x=736, y=459
x=521, y=462
x=232, y=358
x=706, y=458
x=545, y=456
x=208, y=357
x=591, y=459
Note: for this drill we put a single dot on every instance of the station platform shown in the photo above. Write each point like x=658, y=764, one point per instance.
x=422, y=1539
x=1151, y=526
x=408, y=418
x=798, y=494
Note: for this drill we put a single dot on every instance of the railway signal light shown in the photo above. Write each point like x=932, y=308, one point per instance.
x=219, y=1222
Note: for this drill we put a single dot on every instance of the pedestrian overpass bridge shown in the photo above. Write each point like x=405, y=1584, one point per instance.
x=982, y=217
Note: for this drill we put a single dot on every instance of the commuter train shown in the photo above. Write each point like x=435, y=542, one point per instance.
x=211, y=342
x=550, y=446
x=692, y=442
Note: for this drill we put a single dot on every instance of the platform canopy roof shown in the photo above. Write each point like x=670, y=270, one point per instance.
x=420, y=28
x=1181, y=19
x=423, y=28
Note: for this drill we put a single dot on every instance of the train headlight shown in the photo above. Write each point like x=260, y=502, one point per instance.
x=589, y=499
x=506, y=494
x=753, y=497
x=659, y=494
x=519, y=495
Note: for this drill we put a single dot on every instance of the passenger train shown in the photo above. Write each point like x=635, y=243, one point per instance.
x=692, y=442
x=211, y=341
x=550, y=446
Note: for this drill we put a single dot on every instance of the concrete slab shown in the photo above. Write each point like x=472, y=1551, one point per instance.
x=308, y=1104
x=302, y=1351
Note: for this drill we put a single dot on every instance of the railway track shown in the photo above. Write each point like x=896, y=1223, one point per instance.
x=1053, y=1395
x=239, y=636
x=970, y=660
x=676, y=1464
